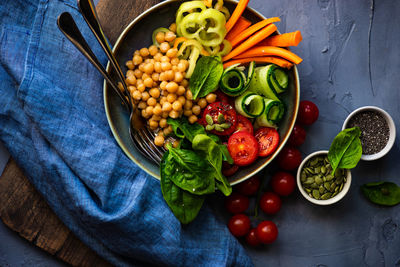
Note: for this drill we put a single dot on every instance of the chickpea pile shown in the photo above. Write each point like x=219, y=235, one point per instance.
x=156, y=82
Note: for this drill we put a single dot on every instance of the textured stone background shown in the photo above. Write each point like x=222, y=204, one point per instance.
x=351, y=59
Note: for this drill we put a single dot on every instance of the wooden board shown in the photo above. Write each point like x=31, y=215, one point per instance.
x=22, y=208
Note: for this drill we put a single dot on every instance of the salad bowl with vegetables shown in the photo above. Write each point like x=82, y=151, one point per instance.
x=219, y=88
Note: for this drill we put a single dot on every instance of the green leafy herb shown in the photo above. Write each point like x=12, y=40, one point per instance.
x=183, y=204
x=214, y=156
x=190, y=171
x=183, y=129
x=206, y=76
x=345, y=151
x=382, y=193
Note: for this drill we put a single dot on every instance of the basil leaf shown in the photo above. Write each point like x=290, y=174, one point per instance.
x=345, y=151
x=382, y=193
x=225, y=154
x=214, y=155
x=206, y=76
x=182, y=128
x=184, y=205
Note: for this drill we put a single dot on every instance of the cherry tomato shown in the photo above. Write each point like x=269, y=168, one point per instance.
x=236, y=203
x=243, y=148
x=298, y=136
x=308, y=112
x=239, y=225
x=250, y=186
x=268, y=140
x=244, y=124
x=267, y=232
x=270, y=203
x=229, y=169
x=251, y=238
x=229, y=113
x=283, y=183
x=289, y=158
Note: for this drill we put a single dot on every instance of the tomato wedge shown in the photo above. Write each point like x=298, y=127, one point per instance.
x=268, y=140
x=243, y=148
x=229, y=115
x=244, y=124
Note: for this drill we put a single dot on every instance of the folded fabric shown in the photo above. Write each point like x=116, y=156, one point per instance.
x=52, y=121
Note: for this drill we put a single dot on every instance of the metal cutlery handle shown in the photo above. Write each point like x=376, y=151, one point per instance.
x=69, y=28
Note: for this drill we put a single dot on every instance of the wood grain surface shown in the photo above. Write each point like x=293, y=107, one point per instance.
x=22, y=208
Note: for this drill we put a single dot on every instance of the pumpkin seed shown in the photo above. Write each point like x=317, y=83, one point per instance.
x=218, y=128
x=327, y=185
x=314, y=185
x=316, y=194
x=341, y=187
x=317, y=169
x=335, y=193
x=329, y=177
x=307, y=190
x=323, y=169
x=326, y=196
x=210, y=127
x=310, y=180
x=321, y=189
x=221, y=118
x=209, y=119
x=333, y=185
x=225, y=125
x=318, y=180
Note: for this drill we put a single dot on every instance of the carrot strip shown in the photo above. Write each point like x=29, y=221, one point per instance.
x=241, y=25
x=249, y=31
x=252, y=41
x=283, y=40
x=275, y=60
x=241, y=6
x=261, y=51
x=178, y=41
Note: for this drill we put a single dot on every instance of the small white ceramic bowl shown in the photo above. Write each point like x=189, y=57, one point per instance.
x=392, y=131
x=329, y=201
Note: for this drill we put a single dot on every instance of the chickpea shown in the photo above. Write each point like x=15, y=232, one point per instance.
x=163, y=77
x=185, y=83
x=188, y=105
x=164, y=47
x=155, y=117
x=153, y=124
x=160, y=37
x=181, y=67
x=137, y=95
x=175, y=68
x=148, y=82
x=121, y=87
x=137, y=59
x=153, y=50
x=145, y=76
x=187, y=113
x=149, y=110
x=157, y=67
x=139, y=81
x=181, y=90
x=154, y=92
x=172, y=27
x=148, y=68
x=163, y=85
x=155, y=76
x=159, y=140
x=170, y=36
x=157, y=110
x=165, y=114
x=167, y=130
x=136, y=53
x=138, y=73
x=147, y=60
x=144, y=52
x=177, y=106
x=211, y=98
x=174, y=114
x=175, y=144
x=131, y=89
x=165, y=59
x=130, y=73
x=141, y=87
x=142, y=105
x=171, y=53
x=151, y=101
x=129, y=64
x=157, y=57
x=196, y=110
x=145, y=96
x=163, y=123
x=202, y=103
x=144, y=114
x=167, y=106
x=171, y=98
x=175, y=61
x=189, y=95
x=170, y=75
x=182, y=99
x=166, y=66
x=131, y=80
x=192, y=119
x=172, y=87
x=178, y=77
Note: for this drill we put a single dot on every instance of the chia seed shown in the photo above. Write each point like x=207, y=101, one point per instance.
x=374, y=131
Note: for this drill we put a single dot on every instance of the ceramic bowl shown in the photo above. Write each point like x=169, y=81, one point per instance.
x=137, y=35
x=392, y=131
x=329, y=201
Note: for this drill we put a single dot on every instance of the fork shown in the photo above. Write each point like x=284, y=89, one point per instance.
x=141, y=136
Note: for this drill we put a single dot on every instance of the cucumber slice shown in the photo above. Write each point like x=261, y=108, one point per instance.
x=250, y=105
x=260, y=84
x=278, y=79
x=273, y=113
x=250, y=74
x=232, y=82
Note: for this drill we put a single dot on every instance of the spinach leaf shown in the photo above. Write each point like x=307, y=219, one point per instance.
x=182, y=128
x=382, y=193
x=206, y=76
x=225, y=153
x=184, y=205
x=214, y=155
x=345, y=151
x=189, y=170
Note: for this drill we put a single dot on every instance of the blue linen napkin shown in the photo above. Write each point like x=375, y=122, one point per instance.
x=53, y=123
